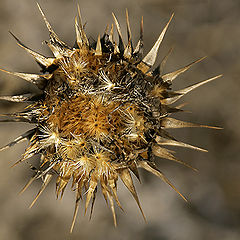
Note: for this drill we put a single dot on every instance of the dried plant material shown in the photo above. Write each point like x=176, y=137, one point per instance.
x=102, y=113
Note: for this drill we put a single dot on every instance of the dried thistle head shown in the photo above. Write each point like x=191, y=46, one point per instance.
x=103, y=112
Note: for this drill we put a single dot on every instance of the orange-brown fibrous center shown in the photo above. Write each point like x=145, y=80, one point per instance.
x=86, y=116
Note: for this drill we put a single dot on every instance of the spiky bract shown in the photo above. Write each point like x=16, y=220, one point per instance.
x=102, y=114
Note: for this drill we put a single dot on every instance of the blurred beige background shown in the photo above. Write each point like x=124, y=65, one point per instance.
x=199, y=28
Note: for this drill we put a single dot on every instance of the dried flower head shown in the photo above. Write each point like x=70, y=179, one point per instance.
x=103, y=112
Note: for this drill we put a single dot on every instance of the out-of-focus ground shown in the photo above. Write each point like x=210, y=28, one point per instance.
x=199, y=28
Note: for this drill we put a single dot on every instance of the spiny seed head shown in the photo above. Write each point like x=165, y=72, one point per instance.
x=103, y=112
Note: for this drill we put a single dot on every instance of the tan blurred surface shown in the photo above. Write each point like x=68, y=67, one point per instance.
x=199, y=28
